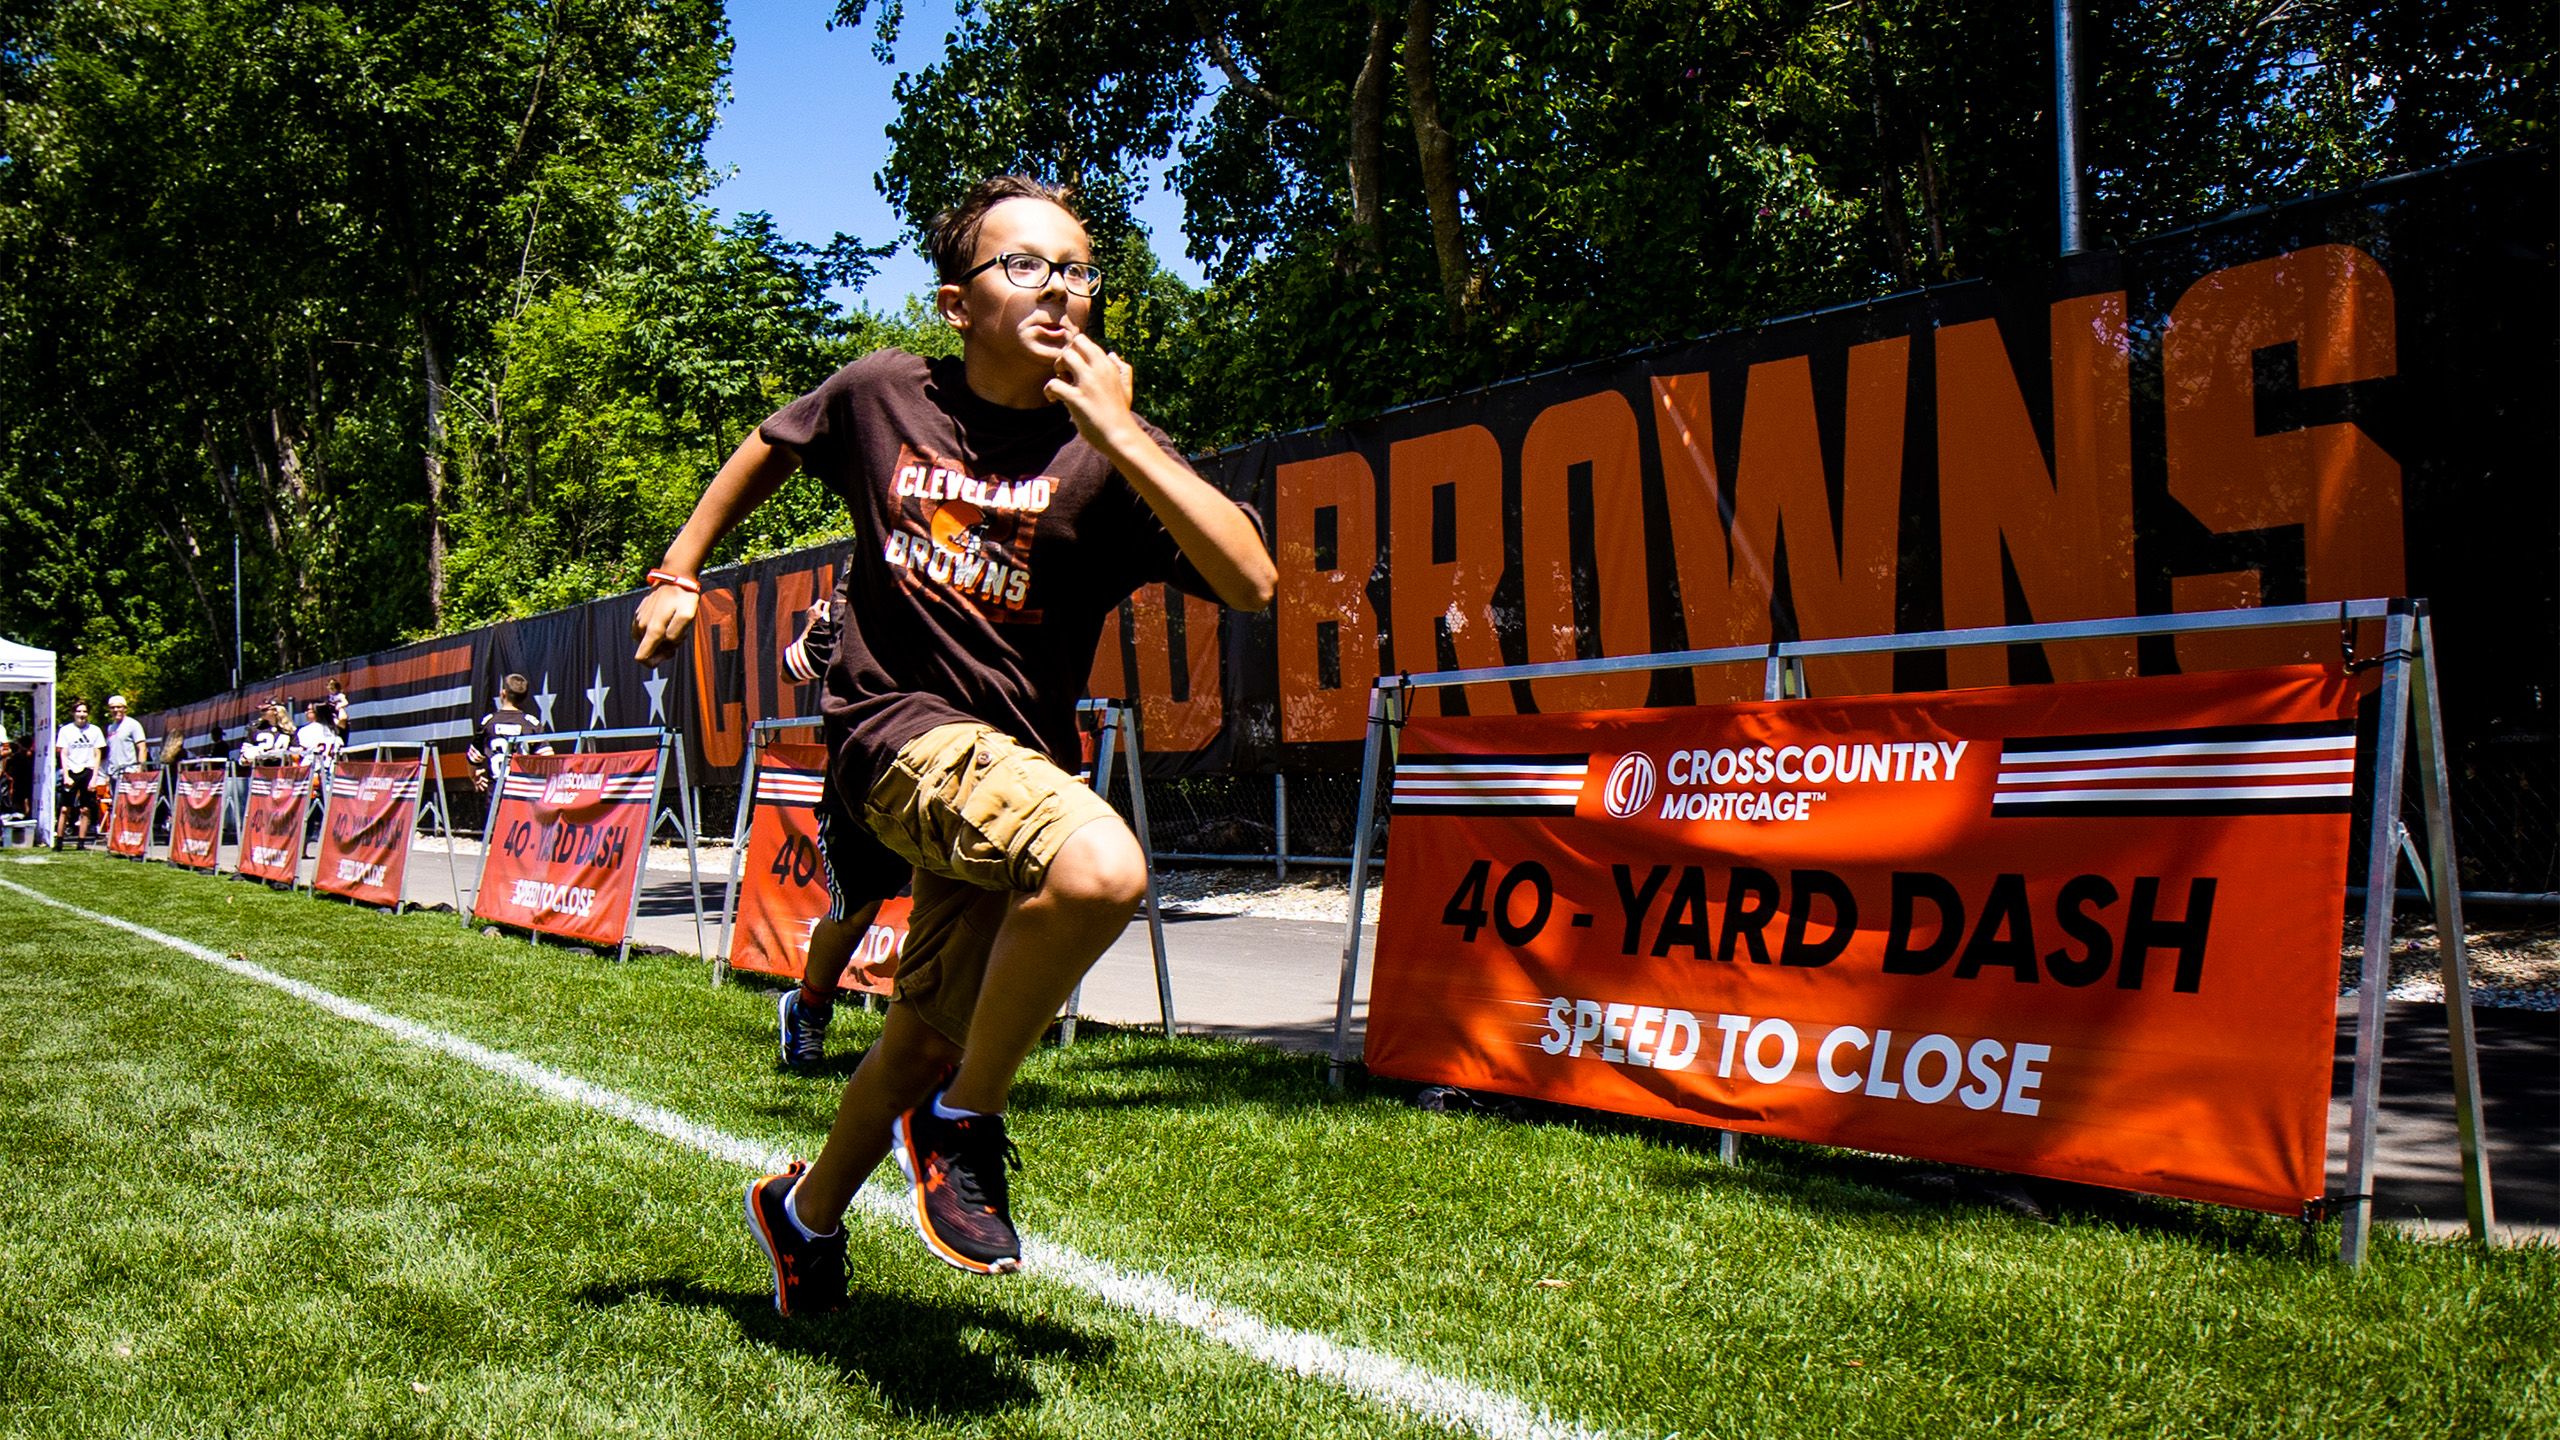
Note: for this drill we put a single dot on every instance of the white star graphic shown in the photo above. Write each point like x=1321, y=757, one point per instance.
x=595, y=699
x=656, y=685
x=543, y=698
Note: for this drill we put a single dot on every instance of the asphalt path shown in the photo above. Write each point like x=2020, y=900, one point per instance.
x=1275, y=982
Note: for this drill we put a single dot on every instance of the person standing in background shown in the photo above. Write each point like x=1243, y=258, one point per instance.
x=316, y=743
x=270, y=739
x=128, y=749
x=507, y=728
x=13, y=794
x=78, y=749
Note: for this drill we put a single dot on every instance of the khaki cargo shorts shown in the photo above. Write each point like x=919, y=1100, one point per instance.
x=981, y=817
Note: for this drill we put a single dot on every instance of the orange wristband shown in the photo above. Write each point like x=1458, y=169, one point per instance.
x=685, y=583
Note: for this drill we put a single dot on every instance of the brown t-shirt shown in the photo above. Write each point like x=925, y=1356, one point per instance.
x=992, y=544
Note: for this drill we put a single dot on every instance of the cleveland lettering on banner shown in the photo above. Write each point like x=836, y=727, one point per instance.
x=271, y=829
x=2085, y=931
x=137, y=801
x=373, y=815
x=567, y=844
x=195, y=824
x=783, y=890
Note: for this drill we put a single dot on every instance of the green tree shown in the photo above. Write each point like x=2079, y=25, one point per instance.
x=243, y=245
x=1392, y=201
x=582, y=439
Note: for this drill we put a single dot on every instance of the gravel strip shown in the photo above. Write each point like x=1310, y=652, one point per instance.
x=2515, y=965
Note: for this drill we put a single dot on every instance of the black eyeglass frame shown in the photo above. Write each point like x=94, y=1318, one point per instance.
x=1049, y=267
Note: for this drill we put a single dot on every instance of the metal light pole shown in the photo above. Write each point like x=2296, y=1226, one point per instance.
x=2066, y=116
x=235, y=610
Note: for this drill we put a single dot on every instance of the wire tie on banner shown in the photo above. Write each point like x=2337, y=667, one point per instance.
x=1402, y=708
x=2347, y=647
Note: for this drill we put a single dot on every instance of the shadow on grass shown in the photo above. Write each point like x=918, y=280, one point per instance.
x=1113, y=1070
x=920, y=1355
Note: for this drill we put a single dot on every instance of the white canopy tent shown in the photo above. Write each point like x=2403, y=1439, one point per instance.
x=24, y=667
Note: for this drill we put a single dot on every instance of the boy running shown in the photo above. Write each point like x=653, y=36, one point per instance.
x=1007, y=502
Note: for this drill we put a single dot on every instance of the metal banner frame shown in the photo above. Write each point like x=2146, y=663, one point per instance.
x=580, y=742
x=2408, y=691
x=1117, y=724
x=221, y=812
x=738, y=832
x=427, y=770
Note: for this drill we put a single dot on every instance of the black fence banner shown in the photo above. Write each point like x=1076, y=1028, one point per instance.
x=2342, y=397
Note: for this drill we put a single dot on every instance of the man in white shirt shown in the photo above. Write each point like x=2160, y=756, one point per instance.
x=127, y=746
x=78, y=748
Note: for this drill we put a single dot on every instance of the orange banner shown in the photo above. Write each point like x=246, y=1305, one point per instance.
x=567, y=844
x=783, y=893
x=195, y=822
x=2082, y=931
x=271, y=829
x=373, y=814
x=137, y=799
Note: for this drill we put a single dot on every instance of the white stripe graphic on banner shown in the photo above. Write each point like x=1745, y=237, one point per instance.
x=807, y=791
x=1547, y=800
x=438, y=730
x=2198, y=792
x=450, y=696
x=1573, y=772
x=1395, y=1384
x=2298, y=745
x=2343, y=765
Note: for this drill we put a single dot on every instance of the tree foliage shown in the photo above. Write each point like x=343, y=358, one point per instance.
x=243, y=247
x=582, y=438
x=1392, y=200
x=419, y=301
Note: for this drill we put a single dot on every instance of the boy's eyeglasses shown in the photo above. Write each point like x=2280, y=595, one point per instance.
x=1032, y=272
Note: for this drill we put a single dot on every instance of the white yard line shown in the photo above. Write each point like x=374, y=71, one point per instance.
x=1390, y=1382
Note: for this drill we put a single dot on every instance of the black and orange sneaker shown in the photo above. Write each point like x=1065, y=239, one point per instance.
x=955, y=1173
x=808, y=1275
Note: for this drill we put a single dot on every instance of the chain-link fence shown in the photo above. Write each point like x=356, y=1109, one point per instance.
x=2506, y=814
x=1251, y=819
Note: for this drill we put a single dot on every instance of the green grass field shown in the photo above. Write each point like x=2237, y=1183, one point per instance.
x=231, y=1212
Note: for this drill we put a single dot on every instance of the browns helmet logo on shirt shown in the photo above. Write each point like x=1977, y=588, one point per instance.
x=965, y=537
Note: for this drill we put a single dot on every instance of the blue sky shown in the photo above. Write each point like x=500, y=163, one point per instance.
x=806, y=129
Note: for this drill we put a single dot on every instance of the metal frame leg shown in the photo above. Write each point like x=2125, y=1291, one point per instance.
x=1129, y=740
x=738, y=856
x=432, y=761
x=1383, y=709
x=2453, y=950
x=692, y=851
x=2382, y=863
x=1104, y=745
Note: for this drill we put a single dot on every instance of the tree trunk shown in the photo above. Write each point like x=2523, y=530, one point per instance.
x=1438, y=150
x=182, y=543
x=1368, y=136
x=1941, y=263
x=1889, y=201
x=435, y=469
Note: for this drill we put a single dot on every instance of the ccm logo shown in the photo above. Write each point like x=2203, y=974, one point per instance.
x=1630, y=786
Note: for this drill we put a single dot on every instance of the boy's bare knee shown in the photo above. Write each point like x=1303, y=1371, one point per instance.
x=1100, y=866
x=915, y=1051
